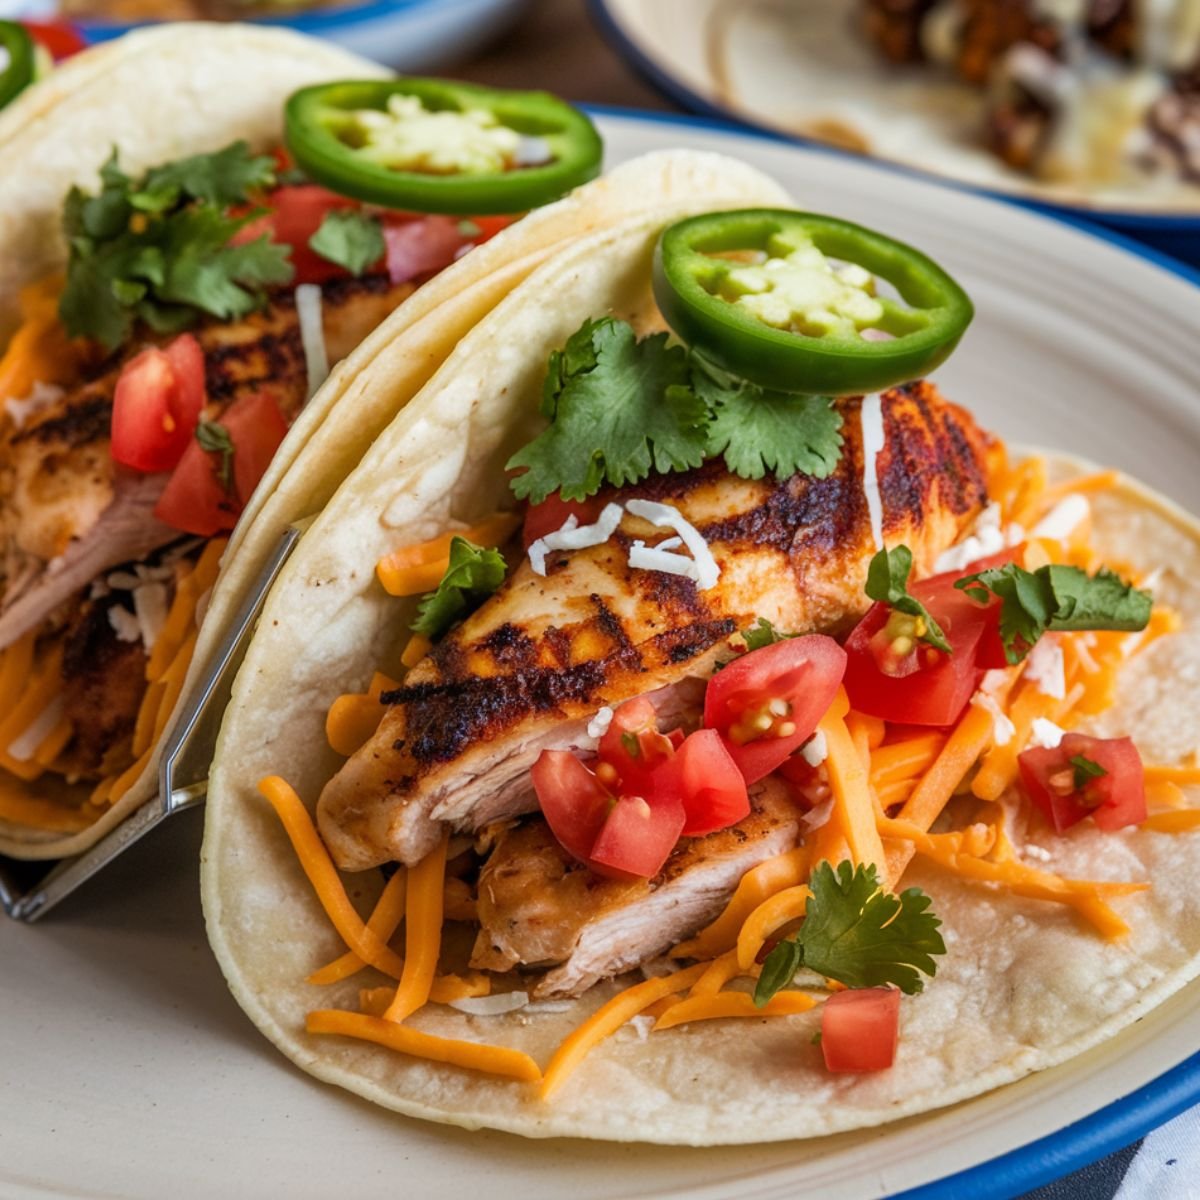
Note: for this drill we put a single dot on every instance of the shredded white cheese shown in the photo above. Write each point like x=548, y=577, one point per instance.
x=986, y=538
x=42, y=396
x=701, y=567
x=1062, y=520
x=125, y=625
x=573, y=536
x=641, y=1025
x=816, y=750
x=491, y=1006
x=312, y=335
x=598, y=725
x=993, y=680
x=1003, y=729
x=871, y=415
x=532, y=152
x=150, y=608
x=1046, y=669
x=24, y=745
x=549, y=1006
x=1044, y=734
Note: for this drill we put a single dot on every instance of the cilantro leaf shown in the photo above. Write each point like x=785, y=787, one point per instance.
x=473, y=574
x=349, y=238
x=1059, y=598
x=619, y=408
x=858, y=934
x=764, y=634
x=161, y=249
x=222, y=179
x=759, y=431
x=1085, y=769
x=214, y=439
x=887, y=582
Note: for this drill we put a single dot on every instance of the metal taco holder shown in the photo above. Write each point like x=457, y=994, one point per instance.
x=29, y=890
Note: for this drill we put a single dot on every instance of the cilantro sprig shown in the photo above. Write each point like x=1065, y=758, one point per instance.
x=159, y=249
x=763, y=633
x=887, y=582
x=1056, y=597
x=620, y=407
x=349, y=238
x=472, y=576
x=858, y=934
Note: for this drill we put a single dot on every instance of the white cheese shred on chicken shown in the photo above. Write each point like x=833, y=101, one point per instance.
x=491, y=1006
x=1063, y=519
x=312, y=335
x=1003, y=730
x=150, y=608
x=1044, y=734
x=42, y=396
x=701, y=567
x=24, y=745
x=1046, y=669
x=598, y=725
x=573, y=536
x=985, y=539
x=125, y=625
x=871, y=415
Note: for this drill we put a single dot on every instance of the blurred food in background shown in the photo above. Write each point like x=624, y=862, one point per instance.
x=1076, y=90
x=187, y=10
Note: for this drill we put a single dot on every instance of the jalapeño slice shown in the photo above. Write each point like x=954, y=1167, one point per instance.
x=793, y=301
x=435, y=146
x=17, y=62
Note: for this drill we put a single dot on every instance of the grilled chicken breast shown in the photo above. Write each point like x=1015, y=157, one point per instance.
x=539, y=907
x=528, y=669
x=72, y=513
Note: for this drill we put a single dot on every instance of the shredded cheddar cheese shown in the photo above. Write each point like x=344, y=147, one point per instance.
x=423, y=933
x=414, y=569
x=733, y=1004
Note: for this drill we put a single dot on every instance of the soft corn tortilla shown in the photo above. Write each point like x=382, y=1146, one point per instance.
x=1024, y=985
x=75, y=128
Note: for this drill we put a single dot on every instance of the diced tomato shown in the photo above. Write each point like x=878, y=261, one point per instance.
x=421, y=247
x=860, y=1028
x=938, y=591
x=490, y=226
x=551, y=515
x=632, y=749
x=156, y=405
x=637, y=837
x=768, y=702
x=296, y=214
x=61, y=38
x=573, y=801
x=257, y=427
x=707, y=782
x=194, y=499
x=1113, y=800
x=932, y=688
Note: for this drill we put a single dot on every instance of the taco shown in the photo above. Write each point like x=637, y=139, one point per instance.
x=179, y=288
x=713, y=808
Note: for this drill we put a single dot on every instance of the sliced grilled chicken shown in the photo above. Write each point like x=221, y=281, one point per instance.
x=531, y=666
x=539, y=907
x=70, y=510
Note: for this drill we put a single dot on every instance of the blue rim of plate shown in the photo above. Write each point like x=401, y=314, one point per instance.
x=319, y=21
x=656, y=75
x=1123, y=1121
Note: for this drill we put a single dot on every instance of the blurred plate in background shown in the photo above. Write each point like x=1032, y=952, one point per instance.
x=410, y=35
x=798, y=68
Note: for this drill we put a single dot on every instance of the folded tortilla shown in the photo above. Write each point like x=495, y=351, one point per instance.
x=71, y=122
x=1024, y=985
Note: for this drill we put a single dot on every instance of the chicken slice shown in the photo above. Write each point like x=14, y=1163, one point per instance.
x=73, y=513
x=528, y=669
x=538, y=906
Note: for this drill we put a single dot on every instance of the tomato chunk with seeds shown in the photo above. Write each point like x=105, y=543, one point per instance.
x=637, y=837
x=768, y=702
x=707, y=783
x=1086, y=776
x=156, y=405
x=632, y=749
x=860, y=1029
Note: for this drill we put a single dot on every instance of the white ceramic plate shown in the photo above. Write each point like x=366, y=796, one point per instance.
x=799, y=67
x=126, y=1070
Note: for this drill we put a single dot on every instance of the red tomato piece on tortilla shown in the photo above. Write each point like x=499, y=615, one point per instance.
x=860, y=1028
x=768, y=702
x=1065, y=792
